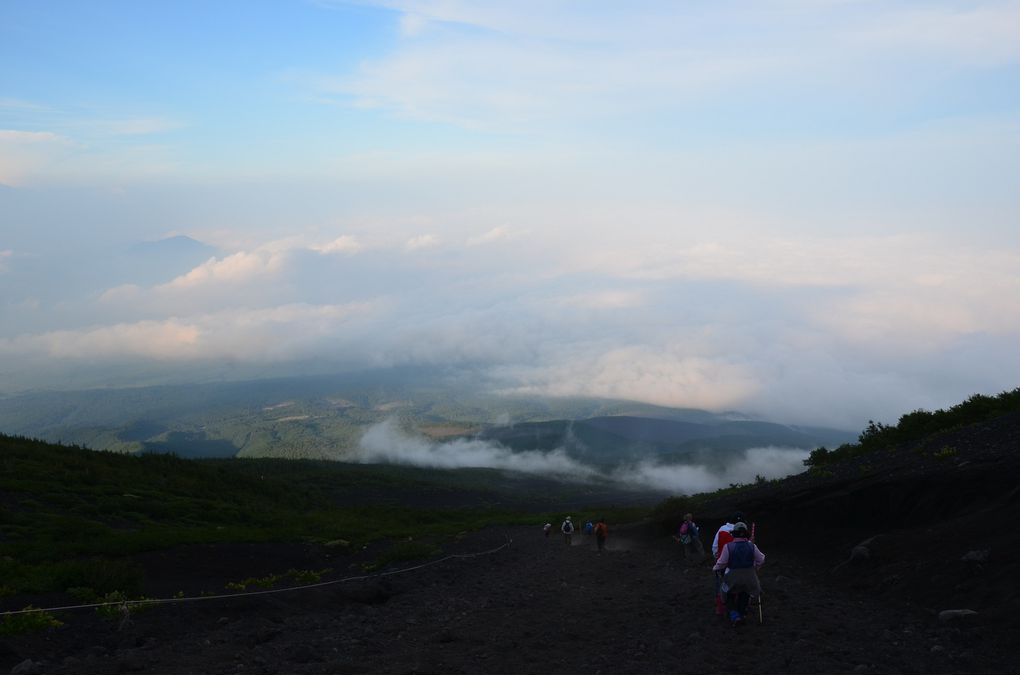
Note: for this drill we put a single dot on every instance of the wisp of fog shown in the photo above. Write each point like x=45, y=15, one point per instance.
x=386, y=442
x=769, y=463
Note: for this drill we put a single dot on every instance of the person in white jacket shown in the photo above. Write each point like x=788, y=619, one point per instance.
x=567, y=528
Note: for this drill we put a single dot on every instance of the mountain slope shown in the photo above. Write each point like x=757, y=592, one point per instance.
x=323, y=417
x=626, y=438
x=538, y=605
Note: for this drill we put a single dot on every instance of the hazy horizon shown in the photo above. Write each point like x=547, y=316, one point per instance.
x=803, y=210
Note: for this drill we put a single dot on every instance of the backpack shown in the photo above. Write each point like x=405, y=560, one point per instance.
x=568, y=527
x=686, y=531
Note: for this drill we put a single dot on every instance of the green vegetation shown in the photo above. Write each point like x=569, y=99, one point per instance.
x=915, y=426
x=70, y=518
x=300, y=577
x=116, y=605
x=15, y=624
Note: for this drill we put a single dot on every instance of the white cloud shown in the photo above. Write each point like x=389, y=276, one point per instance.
x=262, y=335
x=680, y=375
x=981, y=34
x=609, y=300
x=25, y=154
x=342, y=244
x=493, y=235
x=482, y=66
x=769, y=463
x=233, y=269
x=5, y=257
x=387, y=443
x=422, y=241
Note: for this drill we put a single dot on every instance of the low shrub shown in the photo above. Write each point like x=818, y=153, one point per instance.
x=29, y=622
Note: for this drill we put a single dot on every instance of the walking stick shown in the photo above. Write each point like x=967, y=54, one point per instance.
x=761, y=616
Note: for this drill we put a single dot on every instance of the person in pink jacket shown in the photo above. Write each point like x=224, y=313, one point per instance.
x=739, y=561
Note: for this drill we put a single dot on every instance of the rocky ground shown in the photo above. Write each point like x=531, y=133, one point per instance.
x=862, y=565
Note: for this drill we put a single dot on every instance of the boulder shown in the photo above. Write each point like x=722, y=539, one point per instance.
x=27, y=667
x=977, y=556
x=956, y=615
x=860, y=554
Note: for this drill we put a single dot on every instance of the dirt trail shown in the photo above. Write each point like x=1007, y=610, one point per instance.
x=537, y=607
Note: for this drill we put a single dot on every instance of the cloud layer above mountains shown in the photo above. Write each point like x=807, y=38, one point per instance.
x=801, y=210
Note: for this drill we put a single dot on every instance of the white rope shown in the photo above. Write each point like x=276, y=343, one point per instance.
x=163, y=601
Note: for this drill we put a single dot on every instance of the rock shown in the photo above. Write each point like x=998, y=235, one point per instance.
x=444, y=636
x=956, y=615
x=27, y=667
x=937, y=648
x=223, y=621
x=265, y=635
x=369, y=593
x=860, y=554
x=304, y=653
x=129, y=662
x=977, y=556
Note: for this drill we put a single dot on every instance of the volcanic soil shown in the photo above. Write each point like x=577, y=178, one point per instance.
x=864, y=565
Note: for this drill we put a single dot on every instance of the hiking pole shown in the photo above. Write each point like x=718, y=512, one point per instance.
x=761, y=616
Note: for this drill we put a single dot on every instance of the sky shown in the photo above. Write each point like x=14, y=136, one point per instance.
x=805, y=210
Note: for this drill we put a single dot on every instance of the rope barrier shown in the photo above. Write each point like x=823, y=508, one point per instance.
x=124, y=604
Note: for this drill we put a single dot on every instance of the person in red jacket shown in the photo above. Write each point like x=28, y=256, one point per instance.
x=601, y=532
x=722, y=537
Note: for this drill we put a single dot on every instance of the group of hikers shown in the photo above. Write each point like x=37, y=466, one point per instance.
x=599, y=529
x=737, y=559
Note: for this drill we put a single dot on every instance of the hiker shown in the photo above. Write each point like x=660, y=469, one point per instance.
x=588, y=527
x=547, y=528
x=722, y=537
x=601, y=532
x=689, y=538
x=738, y=563
x=567, y=528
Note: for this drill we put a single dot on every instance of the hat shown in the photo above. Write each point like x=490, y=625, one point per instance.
x=740, y=527
x=568, y=517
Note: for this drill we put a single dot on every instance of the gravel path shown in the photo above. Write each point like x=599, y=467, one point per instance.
x=538, y=606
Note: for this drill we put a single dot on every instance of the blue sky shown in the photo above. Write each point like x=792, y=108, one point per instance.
x=805, y=209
